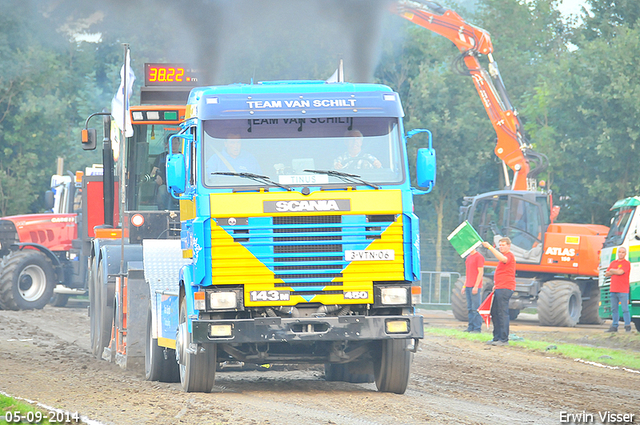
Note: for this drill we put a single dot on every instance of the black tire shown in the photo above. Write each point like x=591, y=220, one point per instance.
x=393, y=366
x=513, y=313
x=93, y=311
x=637, y=323
x=26, y=281
x=591, y=304
x=59, y=300
x=103, y=311
x=459, y=301
x=197, y=371
x=156, y=366
x=559, y=303
x=341, y=372
x=334, y=372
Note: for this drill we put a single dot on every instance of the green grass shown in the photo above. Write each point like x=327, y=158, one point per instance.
x=10, y=406
x=611, y=357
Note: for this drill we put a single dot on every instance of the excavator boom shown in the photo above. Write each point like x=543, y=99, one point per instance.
x=511, y=146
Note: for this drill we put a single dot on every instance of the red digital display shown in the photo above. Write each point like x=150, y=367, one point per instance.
x=169, y=74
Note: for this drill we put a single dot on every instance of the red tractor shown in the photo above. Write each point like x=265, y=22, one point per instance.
x=38, y=262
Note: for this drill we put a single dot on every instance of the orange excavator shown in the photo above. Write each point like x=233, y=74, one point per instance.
x=556, y=264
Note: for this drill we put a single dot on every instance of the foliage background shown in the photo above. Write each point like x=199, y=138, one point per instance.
x=574, y=83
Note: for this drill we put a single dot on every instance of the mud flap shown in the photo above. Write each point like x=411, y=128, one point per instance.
x=137, y=302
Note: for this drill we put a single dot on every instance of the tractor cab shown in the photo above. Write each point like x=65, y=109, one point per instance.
x=521, y=216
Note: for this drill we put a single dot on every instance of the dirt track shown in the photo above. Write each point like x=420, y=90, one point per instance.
x=45, y=356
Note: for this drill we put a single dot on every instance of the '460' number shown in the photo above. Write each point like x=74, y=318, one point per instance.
x=269, y=295
x=356, y=295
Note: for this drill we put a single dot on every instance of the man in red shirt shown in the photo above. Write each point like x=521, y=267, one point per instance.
x=619, y=270
x=504, y=284
x=474, y=265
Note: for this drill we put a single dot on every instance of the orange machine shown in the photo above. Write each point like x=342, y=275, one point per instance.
x=557, y=264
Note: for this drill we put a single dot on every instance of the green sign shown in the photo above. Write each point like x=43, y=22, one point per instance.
x=465, y=239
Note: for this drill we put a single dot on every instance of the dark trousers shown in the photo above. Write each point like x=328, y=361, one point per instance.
x=500, y=314
x=473, y=302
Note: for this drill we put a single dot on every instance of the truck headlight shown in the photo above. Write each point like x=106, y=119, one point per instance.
x=394, y=296
x=223, y=300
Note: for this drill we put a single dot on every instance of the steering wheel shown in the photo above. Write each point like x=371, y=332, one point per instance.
x=358, y=163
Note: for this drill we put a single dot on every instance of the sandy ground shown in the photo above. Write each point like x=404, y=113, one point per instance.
x=45, y=356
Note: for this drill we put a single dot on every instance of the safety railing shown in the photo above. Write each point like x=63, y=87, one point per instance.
x=437, y=286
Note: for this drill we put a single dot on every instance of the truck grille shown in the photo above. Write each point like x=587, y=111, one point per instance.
x=304, y=235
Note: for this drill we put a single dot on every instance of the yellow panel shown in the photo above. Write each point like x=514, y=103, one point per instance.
x=369, y=271
x=187, y=209
x=235, y=264
x=252, y=204
x=166, y=342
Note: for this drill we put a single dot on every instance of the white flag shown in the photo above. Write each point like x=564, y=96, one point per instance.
x=118, y=104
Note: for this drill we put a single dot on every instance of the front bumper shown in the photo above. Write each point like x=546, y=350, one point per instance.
x=277, y=329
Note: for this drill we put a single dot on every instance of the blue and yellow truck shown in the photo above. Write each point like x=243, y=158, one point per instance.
x=298, y=234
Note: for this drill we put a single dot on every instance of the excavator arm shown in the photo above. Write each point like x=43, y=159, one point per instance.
x=511, y=146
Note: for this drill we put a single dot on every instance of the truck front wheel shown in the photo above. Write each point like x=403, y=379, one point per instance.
x=197, y=368
x=392, y=366
x=26, y=281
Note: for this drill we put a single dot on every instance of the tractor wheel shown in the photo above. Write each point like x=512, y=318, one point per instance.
x=559, y=303
x=459, y=301
x=26, y=280
x=59, y=300
x=393, y=366
x=101, y=312
x=197, y=370
x=637, y=323
x=157, y=366
x=591, y=304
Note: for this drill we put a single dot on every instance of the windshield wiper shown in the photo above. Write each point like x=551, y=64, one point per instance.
x=350, y=178
x=256, y=177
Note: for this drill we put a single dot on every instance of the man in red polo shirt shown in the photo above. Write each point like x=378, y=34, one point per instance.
x=474, y=266
x=504, y=284
x=619, y=270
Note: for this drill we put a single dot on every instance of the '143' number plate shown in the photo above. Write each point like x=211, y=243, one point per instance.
x=272, y=295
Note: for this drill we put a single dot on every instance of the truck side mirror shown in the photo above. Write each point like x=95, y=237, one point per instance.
x=176, y=173
x=425, y=162
x=426, y=168
x=49, y=200
x=88, y=139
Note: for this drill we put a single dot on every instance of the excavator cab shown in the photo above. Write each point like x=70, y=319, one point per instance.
x=521, y=216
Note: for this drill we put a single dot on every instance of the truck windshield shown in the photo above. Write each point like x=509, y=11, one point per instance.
x=146, y=156
x=282, y=149
x=619, y=227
